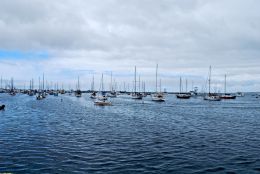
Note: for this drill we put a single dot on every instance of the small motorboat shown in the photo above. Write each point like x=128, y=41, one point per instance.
x=212, y=97
x=56, y=94
x=40, y=96
x=2, y=107
x=112, y=94
x=183, y=95
x=78, y=93
x=12, y=93
x=93, y=95
x=158, y=97
x=137, y=96
x=102, y=103
x=240, y=94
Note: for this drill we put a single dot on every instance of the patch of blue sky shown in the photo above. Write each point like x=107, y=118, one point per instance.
x=75, y=73
x=23, y=55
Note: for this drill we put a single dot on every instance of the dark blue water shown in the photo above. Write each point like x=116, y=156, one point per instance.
x=178, y=136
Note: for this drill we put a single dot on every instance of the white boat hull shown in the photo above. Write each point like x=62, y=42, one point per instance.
x=212, y=98
x=102, y=103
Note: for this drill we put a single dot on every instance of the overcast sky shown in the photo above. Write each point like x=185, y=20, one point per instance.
x=67, y=38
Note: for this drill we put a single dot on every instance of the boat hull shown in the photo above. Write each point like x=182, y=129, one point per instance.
x=158, y=99
x=137, y=97
x=226, y=97
x=212, y=98
x=102, y=103
x=2, y=107
x=183, y=96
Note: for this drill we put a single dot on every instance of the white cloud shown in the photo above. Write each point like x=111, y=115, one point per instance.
x=184, y=37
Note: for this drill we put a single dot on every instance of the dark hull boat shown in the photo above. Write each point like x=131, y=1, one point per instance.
x=183, y=95
x=228, y=96
x=2, y=107
x=136, y=95
x=78, y=93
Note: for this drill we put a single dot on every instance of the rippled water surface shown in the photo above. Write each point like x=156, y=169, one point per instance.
x=179, y=136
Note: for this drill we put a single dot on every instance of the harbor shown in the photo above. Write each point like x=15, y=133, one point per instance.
x=67, y=134
x=129, y=87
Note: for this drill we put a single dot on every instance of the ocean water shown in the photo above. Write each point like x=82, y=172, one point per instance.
x=66, y=134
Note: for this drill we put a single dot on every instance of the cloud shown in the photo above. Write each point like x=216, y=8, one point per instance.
x=85, y=37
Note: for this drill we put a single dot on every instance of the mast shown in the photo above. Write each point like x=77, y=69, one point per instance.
x=93, y=83
x=111, y=82
x=12, y=85
x=135, y=81
x=144, y=86
x=102, y=87
x=43, y=82
x=209, y=77
x=32, y=84
x=1, y=82
x=225, y=83
x=139, y=84
x=160, y=85
x=186, y=85
x=180, y=84
x=39, y=84
x=78, y=84
x=156, y=77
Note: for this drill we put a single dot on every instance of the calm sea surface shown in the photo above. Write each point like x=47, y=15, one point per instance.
x=179, y=136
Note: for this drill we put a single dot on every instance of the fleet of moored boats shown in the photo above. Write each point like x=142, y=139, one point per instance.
x=102, y=97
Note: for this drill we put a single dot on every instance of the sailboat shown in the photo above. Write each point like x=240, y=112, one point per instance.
x=62, y=91
x=31, y=91
x=136, y=95
x=93, y=95
x=102, y=98
x=227, y=95
x=56, y=91
x=1, y=88
x=211, y=96
x=181, y=94
x=112, y=93
x=78, y=92
x=39, y=92
x=158, y=96
x=12, y=91
x=43, y=89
